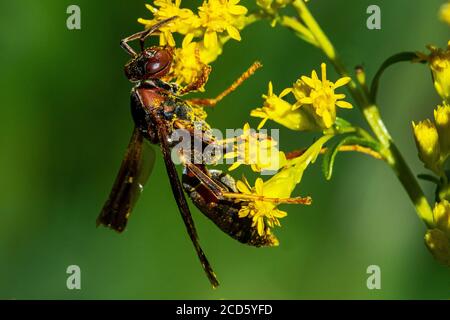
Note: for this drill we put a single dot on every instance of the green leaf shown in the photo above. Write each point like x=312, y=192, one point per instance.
x=399, y=57
x=429, y=178
x=330, y=154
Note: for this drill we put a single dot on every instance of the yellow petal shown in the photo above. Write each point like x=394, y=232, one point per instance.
x=278, y=213
x=187, y=40
x=258, y=112
x=342, y=82
x=262, y=123
x=210, y=39
x=270, y=91
x=162, y=39
x=244, y=212
x=260, y=226
x=296, y=105
x=145, y=21
x=323, y=66
x=242, y=187
x=233, y=33
x=149, y=7
x=259, y=186
x=230, y=155
x=308, y=81
x=306, y=100
x=237, y=10
x=169, y=37
x=344, y=104
x=285, y=92
x=234, y=166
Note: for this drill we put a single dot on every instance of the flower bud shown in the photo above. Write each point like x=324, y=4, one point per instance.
x=444, y=13
x=439, y=245
x=439, y=61
x=441, y=216
x=427, y=141
x=442, y=119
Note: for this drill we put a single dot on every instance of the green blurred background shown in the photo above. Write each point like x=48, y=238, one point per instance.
x=65, y=123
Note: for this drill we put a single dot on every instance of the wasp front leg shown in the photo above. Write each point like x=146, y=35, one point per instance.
x=211, y=102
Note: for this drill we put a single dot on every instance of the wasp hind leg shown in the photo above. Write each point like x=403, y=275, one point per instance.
x=223, y=194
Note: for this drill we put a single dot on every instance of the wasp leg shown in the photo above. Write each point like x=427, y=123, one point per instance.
x=153, y=29
x=222, y=194
x=254, y=197
x=199, y=82
x=204, y=178
x=181, y=199
x=212, y=102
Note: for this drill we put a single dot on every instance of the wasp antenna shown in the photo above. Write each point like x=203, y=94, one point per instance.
x=153, y=29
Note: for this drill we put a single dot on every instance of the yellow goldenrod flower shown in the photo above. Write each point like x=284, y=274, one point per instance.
x=317, y=97
x=265, y=214
x=315, y=108
x=439, y=62
x=444, y=13
x=186, y=23
x=256, y=150
x=442, y=119
x=219, y=16
x=441, y=217
x=190, y=59
x=439, y=245
x=427, y=141
x=280, y=111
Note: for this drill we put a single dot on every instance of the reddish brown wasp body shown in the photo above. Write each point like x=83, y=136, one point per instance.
x=157, y=111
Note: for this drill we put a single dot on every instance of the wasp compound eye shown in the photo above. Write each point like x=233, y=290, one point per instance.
x=158, y=63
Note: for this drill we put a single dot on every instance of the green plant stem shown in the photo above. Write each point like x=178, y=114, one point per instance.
x=372, y=115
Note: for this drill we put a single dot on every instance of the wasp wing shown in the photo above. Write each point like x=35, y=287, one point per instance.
x=133, y=174
x=178, y=193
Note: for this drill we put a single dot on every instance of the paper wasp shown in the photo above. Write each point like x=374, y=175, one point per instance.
x=157, y=111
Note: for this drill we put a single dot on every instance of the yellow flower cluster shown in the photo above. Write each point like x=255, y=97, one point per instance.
x=265, y=214
x=215, y=23
x=315, y=106
x=438, y=238
x=433, y=139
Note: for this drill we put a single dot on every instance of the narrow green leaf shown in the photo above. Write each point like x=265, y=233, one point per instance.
x=429, y=178
x=399, y=57
x=330, y=154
